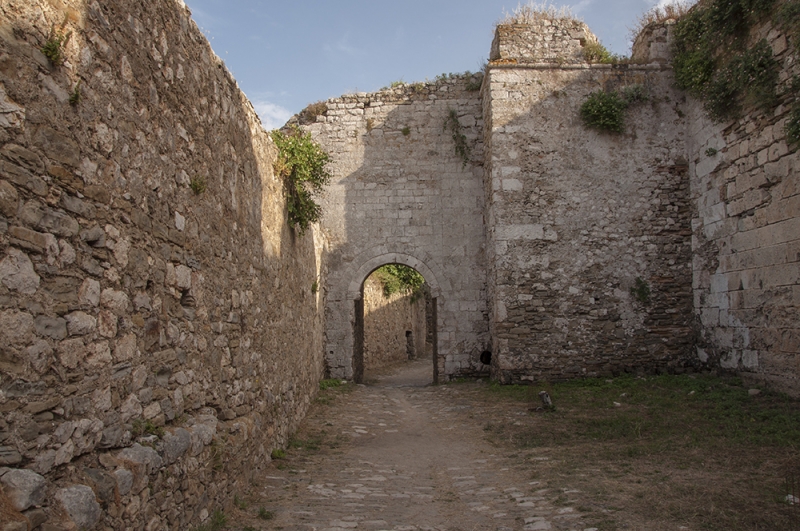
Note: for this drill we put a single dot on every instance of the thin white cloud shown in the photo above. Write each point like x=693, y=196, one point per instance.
x=343, y=47
x=272, y=116
x=580, y=6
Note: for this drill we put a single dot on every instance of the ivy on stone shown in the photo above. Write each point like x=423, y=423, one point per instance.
x=604, y=111
x=713, y=62
x=301, y=164
x=462, y=148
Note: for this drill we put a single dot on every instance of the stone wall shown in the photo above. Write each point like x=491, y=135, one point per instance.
x=387, y=322
x=401, y=194
x=746, y=235
x=131, y=300
x=560, y=41
x=576, y=216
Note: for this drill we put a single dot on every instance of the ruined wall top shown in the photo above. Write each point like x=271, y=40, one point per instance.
x=545, y=40
x=653, y=44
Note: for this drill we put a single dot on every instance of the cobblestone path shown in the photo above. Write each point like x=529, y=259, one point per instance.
x=412, y=457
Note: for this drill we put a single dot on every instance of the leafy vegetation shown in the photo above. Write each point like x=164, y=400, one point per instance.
x=146, y=427
x=217, y=522
x=606, y=110
x=461, y=146
x=329, y=384
x=53, y=48
x=713, y=62
x=398, y=278
x=278, y=453
x=793, y=126
x=641, y=290
x=594, y=52
x=75, y=95
x=198, y=185
x=788, y=17
x=302, y=166
x=264, y=514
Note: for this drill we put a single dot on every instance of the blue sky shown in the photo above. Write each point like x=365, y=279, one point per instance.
x=287, y=54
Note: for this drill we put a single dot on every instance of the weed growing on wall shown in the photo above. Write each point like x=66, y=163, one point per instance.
x=594, y=52
x=75, y=95
x=788, y=17
x=310, y=113
x=793, y=127
x=604, y=111
x=535, y=11
x=641, y=290
x=452, y=124
x=713, y=62
x=302, y=166
x=53, y=48
x=198, y=185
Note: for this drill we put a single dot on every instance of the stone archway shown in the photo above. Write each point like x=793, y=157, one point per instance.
x=400, y=194
x=356, y=294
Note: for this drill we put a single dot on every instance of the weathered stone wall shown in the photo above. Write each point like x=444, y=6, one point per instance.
x=575, y=216
x=542, y=41
x=387, y=320
x=128, y=302
x=746, y=235
x=400, y=194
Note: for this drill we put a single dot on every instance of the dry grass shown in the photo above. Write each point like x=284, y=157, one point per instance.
x=660, y=14
x=677, y=451
x=536, y=11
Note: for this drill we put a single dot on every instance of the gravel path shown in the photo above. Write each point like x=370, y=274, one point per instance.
x=412, y=456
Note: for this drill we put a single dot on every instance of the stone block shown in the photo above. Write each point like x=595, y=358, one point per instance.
x=24, y=488
x=57, y=146
x=81, y=505
x=46, y=219
x=80, y=323
x=22, y=177
x=142, y=455
x=17, y=273
x=9, y=199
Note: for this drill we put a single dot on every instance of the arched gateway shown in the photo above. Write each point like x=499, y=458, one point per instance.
x=401, y=194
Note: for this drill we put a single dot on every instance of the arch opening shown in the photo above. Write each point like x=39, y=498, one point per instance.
x=395, y=322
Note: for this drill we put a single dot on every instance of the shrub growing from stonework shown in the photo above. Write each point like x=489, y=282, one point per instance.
x=302, y=166
x=604, y=111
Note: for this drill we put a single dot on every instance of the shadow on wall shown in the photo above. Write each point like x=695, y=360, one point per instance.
x=576, y=216
x=400, y=189
x=149, y=278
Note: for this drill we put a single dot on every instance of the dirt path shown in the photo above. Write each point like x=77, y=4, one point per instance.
x=410, y=456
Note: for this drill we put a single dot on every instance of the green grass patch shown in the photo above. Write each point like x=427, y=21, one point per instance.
x=217, y=522
x=672, y=411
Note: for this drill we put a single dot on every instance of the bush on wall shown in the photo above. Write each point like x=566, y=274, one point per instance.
x=302, y=166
